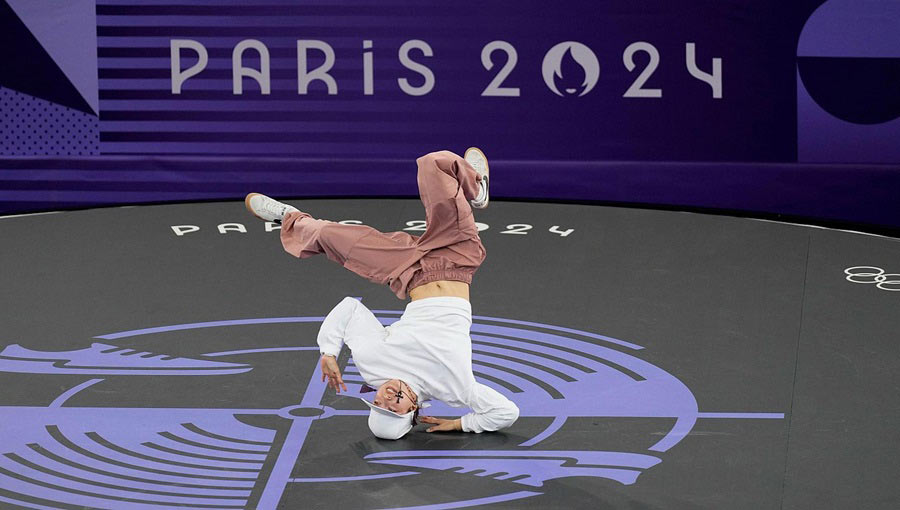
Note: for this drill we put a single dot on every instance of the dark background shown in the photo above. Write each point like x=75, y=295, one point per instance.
x=736, y=155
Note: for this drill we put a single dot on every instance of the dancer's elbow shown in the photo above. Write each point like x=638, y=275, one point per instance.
x=509, y=416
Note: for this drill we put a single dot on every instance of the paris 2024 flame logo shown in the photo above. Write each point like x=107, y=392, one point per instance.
x=570, y=69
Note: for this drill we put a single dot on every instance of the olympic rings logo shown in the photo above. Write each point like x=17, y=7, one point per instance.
x=876, y=275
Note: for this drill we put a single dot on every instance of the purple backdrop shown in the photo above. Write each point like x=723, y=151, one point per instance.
x=759, y=106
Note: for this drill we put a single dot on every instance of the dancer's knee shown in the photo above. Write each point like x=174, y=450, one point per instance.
x=437, y=160
x=327, y=231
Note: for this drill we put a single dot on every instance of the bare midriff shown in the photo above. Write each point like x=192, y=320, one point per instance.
x=440, y=288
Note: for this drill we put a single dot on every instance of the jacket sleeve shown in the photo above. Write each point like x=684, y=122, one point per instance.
x=336, y=327
x=490, y=410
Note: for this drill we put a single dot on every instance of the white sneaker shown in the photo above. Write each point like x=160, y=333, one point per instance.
x=478, y=160
x=266, y=208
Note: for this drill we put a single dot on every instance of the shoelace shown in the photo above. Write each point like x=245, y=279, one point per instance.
x=274, y=208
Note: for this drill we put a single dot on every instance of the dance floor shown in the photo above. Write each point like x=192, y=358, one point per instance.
x=165, y=357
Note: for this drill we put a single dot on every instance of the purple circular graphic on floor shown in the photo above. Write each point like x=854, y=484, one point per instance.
x=208, y=457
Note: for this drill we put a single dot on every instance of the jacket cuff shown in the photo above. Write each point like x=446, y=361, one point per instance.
x=466, y=421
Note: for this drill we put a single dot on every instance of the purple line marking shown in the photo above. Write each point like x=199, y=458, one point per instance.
x=539, y=466
x=544, y=326
x=484, y=345
x=130, y=485
x=190, y=435
x=287, y=457
x=354, y=478
x=25, y=504
x=157, y=455
x=472, y=502
x=66, y=453
x=551, y=429
x=161, y=440
x=80, y=413
x=315, y=389
x=761, y=416
x=102, y=358
x=60, y=400
x=510, y=367
x=47, y=493
x=133, y=372
x=267, y=349
x=585, y=457
x=211, y=324
x=103, y=493
x=293, y=443
x=349, y=412
x=682, y=428
x=520, y=382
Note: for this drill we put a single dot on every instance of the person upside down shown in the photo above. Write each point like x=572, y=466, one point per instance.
x=427, y=354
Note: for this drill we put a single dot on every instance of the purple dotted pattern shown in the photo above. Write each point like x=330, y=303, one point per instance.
x=34, y=127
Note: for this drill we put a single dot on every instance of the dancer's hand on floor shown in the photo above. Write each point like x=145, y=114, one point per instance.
x=442, y=425
x=331, y=370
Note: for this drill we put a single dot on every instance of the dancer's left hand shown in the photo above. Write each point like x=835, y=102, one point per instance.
x=442, y=425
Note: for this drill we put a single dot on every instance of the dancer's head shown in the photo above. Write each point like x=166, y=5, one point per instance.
x=394, y=412
x=395, y=395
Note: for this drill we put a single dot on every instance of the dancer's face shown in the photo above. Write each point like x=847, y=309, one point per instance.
x=395, y=396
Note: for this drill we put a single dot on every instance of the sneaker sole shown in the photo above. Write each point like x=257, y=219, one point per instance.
x=487, y=170
x=250, y=209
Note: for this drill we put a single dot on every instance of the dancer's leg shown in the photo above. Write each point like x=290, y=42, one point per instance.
x=453, y=250
x=367, y=252
x=450, y=248
x=446, y=184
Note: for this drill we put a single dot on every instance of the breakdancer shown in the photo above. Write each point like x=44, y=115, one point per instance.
x=427, y=354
